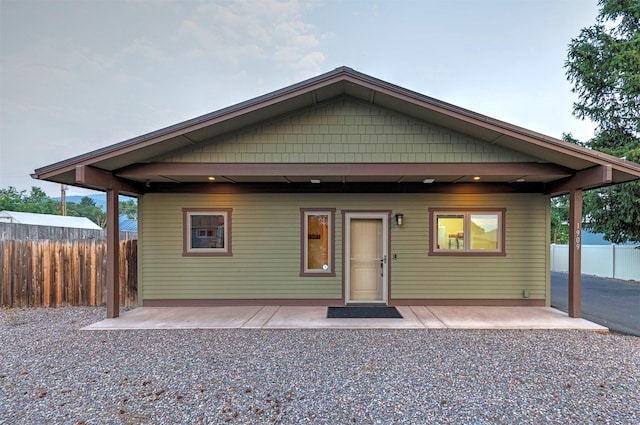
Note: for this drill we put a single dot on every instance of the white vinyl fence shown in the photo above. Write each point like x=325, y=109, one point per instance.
x=614, y=261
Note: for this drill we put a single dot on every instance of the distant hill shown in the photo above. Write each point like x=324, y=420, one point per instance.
x=99, y=198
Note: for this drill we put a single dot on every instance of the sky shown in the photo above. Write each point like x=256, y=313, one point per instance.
x=76, y=76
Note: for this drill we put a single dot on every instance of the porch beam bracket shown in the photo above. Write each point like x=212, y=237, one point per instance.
x=598, y=176
x=95, y=178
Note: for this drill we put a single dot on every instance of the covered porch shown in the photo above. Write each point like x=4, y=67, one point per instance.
x=315, y=317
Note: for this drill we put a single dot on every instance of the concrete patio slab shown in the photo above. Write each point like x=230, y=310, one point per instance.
x=180, y=318
x=315, y=317
x=466, y=317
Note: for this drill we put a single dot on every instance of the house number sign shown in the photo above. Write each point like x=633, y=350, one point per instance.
x=577, y=236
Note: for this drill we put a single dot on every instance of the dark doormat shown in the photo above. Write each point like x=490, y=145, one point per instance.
x=362, y=312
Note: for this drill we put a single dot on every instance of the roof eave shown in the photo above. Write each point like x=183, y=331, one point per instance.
x=63, y=171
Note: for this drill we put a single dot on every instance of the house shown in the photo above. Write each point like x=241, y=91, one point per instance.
x=127, y=224
x=343, y=189
x=47, y=220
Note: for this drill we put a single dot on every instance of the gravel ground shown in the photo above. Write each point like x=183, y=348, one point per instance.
x=53, y=373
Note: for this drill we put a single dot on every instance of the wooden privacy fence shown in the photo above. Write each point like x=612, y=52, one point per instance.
x=18, y=231
x=50, y=273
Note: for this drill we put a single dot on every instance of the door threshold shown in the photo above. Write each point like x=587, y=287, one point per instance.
x=367, y=304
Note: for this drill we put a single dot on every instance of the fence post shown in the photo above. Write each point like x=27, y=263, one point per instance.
x=613, y=257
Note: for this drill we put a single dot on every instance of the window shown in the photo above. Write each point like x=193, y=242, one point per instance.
x=467, y=232
x=316, y=244
x=206, y=232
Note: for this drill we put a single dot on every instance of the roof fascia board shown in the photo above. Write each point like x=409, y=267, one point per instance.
x=342, y=169
x=598, y=176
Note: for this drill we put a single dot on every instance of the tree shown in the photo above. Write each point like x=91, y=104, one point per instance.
x=128, y=208
x=603, y=63
x=37, y=201
x=87, y=208
x=559, y=219
x=34, y=202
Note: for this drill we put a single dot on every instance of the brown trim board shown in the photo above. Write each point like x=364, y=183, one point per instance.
x=471, y=253
x=95, y=178
x=486, y=302
x=343, y=169
x=240, y=302
x=339, y=302
x=331, y=212
x=598, y=176
x=449, y=188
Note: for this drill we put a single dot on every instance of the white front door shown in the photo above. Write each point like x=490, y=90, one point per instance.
x=366, y=251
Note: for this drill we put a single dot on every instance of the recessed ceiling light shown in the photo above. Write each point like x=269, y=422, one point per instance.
x=211, y=178
x=476, y=178
x=315, y=181
x=520, y=180
x=428, y=180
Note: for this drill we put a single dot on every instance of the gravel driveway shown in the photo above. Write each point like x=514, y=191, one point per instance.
x=51, y=372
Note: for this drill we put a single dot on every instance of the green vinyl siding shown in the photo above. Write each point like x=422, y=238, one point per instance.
x=345, y=130
x=266, y=248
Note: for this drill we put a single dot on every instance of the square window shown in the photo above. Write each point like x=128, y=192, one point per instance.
x=484, y=231
x=207, y=232
x=470, y=232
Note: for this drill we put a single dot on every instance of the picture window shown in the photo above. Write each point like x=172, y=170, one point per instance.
x=467, y=232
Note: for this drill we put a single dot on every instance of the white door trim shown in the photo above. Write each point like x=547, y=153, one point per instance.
x=348, y=216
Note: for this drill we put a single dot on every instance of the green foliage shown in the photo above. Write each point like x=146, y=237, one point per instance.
x=87, y=208
x=37, y=201
x=615, y=212
x=34, y=202
x=128, y=208
x=603, y=63
x=559, y=220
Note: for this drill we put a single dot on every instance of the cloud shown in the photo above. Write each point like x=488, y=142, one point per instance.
x=144, y=48
x=267, y=34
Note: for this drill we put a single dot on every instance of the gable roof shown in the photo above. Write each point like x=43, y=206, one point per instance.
x=47, y=220
x=109, y=163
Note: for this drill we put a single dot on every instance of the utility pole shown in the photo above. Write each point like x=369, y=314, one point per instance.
x=63, y=200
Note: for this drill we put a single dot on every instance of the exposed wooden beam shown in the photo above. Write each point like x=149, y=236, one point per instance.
x=341, y=169
x=95, y=178
x=389, y=187
x=575, y=257
x=598, y=176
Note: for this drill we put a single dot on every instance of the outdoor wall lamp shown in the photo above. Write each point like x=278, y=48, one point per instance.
x=399, y=219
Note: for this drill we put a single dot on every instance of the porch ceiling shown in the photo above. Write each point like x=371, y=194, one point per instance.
x=344, y=173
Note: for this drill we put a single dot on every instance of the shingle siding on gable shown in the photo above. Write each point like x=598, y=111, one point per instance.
x=347, y=131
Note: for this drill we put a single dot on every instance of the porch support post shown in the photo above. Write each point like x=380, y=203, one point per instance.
x=113, y=255
x=575, y=258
